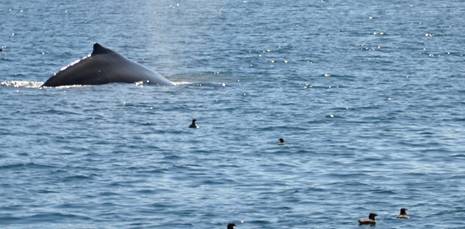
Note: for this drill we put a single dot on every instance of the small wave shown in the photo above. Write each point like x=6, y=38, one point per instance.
x=202, y=84
x=182, y=83
x=29, y=165
x=213, y=79
x=68, y=86
x=74, y=178
x=259, y=222
x=38, y=84
x=43, y=217
x=21, y=84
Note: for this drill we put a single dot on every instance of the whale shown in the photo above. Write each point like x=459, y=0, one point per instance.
x=104, y=66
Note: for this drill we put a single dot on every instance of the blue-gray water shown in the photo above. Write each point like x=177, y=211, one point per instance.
x=369, y=96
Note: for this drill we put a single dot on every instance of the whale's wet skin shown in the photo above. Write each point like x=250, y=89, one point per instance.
x=104, y=66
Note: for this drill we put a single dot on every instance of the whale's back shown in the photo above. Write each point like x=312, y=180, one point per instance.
x=104, y=66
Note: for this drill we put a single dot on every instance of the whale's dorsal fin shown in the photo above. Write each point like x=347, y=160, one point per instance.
x=99, y=49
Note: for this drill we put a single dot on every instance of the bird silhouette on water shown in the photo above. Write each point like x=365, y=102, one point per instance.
x=370, y=221
x=403, y=214
x=193, y=124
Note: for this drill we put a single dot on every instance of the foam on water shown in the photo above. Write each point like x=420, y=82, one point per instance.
x=21, y=84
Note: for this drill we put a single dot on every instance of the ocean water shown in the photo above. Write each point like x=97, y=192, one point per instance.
x=368, y=95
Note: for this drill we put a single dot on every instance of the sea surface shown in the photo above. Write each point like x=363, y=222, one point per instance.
x=369, y=97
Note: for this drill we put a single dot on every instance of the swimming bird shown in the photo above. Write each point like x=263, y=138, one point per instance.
x=371, y=219
x=403, y=214
x=280, y=141
x=193, y=124
x=231, y=226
